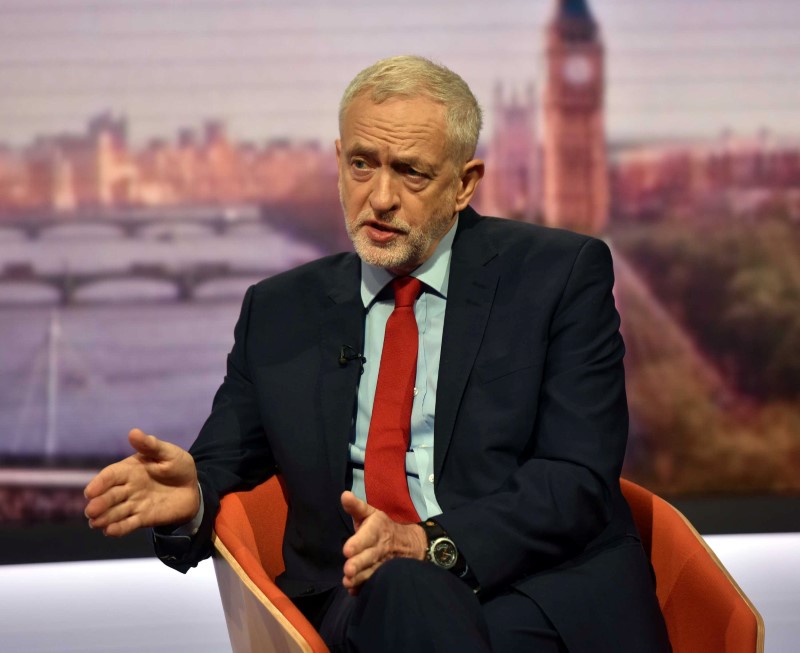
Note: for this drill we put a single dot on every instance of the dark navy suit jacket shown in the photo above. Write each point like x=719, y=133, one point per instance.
x=530, y=429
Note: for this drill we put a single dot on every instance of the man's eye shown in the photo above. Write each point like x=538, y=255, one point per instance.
x=411, y=172
x=359, y=164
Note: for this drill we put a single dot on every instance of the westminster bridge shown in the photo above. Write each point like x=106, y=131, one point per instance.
x=185, y=279
x=132, y=224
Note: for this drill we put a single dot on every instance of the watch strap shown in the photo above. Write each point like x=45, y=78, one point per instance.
x=434, y=532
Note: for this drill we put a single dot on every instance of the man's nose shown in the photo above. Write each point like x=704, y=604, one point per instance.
x=384, y=196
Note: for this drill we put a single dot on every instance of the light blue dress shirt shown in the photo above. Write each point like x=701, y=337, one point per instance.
x=429, y=311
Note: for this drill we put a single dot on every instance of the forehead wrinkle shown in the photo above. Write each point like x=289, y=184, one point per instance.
x=389, y=132
x=408, y=132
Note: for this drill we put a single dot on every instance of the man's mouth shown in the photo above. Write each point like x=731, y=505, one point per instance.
x=380, y=232
x=380, y=226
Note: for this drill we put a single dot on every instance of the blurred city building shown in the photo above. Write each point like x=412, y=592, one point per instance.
x=730, y=176
x=512, y=185
x=99, y=168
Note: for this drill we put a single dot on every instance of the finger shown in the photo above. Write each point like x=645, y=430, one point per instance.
x=106, y=501
x=95, y=487
x=365, y=538
x=119, y=499
x=351, y=503
x=147, y=445
x=123, y=527
x=367, y=559
x=363, y=573
x=374, y=536
x=113, y=475
x=117, y=513
x=359, y=510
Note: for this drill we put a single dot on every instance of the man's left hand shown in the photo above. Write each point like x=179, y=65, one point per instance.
x=377, y=539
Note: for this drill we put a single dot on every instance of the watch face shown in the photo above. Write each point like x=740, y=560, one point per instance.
x=578, y=69
x=444, y=553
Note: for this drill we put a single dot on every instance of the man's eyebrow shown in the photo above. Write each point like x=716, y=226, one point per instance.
x=411, y=161
x=360, y=149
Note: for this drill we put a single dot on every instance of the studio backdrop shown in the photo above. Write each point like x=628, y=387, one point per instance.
x=158, y=156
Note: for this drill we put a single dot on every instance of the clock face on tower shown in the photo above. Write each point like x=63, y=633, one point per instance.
x=578, y=69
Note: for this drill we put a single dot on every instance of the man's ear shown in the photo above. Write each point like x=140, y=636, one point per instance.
x=470, y=177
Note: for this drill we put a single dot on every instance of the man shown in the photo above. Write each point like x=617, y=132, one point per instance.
x=507, y=530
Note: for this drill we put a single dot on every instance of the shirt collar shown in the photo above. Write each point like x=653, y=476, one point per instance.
x=434, y=273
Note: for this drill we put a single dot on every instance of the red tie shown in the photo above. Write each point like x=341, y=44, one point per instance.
x=390, y=427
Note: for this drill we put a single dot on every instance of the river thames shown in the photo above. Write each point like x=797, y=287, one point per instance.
x=125, y=352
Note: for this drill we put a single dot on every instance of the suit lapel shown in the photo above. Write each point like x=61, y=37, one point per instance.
x=342, y=324
x=470, y=293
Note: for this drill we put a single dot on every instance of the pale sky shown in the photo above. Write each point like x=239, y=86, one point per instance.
x=675, y=68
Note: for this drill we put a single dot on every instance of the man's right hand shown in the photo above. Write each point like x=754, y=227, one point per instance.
x=155, y=486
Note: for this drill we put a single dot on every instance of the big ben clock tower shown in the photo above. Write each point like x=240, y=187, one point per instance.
x=576, y=194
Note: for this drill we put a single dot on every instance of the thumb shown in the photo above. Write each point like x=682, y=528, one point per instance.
x=147, y=445
x=359, y=510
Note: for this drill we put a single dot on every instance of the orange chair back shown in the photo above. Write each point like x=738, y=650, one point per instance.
x=249, y=537
x=259, y=519
x=704, y=608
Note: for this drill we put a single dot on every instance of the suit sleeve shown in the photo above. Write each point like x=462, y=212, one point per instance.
x=561, y=495
x=231, y=452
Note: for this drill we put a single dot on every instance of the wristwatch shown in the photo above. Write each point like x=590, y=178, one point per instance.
x=442, y=551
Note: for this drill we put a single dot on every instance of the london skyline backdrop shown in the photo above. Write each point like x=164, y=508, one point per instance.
x=674, y=68
x=704, y=233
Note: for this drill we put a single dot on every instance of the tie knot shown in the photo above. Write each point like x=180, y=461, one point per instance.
x=406, y=290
